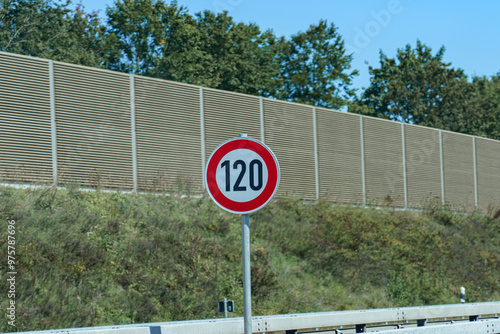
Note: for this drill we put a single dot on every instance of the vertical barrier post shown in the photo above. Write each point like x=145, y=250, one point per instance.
x=475, y=171
x=53, y=122
x=405, y=186
x=316, y=159
x=261, y=101
x=441, y=163
x=134, y=139
x=202, y=131
x=363, y=176
x=361, y=328
x=421, y=322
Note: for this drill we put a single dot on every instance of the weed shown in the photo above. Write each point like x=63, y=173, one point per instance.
x=98, y=258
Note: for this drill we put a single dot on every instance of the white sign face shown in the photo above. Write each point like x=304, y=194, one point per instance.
x=242, y=175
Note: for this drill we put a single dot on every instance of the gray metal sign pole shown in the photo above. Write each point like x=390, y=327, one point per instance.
x=243, y=151
x=247, y=282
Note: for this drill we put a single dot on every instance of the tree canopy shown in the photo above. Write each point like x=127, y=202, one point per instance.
x=418, y=87
x=314, y=68
x=49, y=29
x=207, y=49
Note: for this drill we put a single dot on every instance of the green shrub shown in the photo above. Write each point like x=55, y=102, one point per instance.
x=95, y=258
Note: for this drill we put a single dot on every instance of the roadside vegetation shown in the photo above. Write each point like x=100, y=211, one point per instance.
x=97, y=258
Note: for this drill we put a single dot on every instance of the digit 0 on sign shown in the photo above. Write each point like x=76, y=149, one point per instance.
x=242, y=175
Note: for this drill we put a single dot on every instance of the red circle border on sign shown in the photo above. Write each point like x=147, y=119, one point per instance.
x=272, y=180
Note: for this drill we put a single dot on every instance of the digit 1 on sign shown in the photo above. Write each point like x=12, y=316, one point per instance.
x=228, y=174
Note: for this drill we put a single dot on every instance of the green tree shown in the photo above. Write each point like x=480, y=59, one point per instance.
x=315, y=68
x=49, y=29
x=163, y=40
x=137, y=26
x=30, y=27
x=488, y=99
x=179, y=56
x=86, y=40
x=413, y=86
x=239, y=57
x=420, y=88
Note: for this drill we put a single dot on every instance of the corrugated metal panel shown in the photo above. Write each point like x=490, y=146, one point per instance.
x=93, y=117
x=423, y=165
x=339, y=156
x=168, y=135
x=288, y=131
x=488, y=172
x=458, y=162
x=25, y=126
x=227, y=115
x=383, y=162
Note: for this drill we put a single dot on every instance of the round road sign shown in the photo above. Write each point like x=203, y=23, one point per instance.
x=242, y=175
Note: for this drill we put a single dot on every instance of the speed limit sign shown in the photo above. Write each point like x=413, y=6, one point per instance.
x=242, y=175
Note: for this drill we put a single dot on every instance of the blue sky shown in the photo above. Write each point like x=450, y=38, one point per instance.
x=470, y=31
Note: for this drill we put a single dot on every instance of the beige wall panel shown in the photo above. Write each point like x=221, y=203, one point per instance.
x=339, y=156
x=288, y=131
x=93, y=117
x=383, y=162
x=94, y=139
x=228, y=115
x=25, y=125
x=168, y=135
x=423, y=166
x=488, y=173
x=458, y=162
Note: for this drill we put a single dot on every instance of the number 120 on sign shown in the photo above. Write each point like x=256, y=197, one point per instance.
x=255, y=175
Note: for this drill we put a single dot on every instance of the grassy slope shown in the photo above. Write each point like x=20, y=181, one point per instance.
x=93, y=258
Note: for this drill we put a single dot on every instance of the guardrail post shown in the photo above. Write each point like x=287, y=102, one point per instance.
x=155, y=330
x=361, y=328
x=421, y=322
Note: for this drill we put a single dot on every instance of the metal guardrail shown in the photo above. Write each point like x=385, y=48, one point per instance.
x=461, y=318
x=488, y=327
